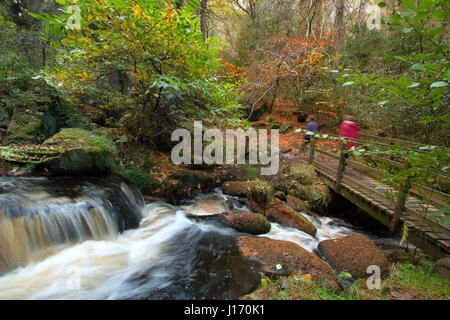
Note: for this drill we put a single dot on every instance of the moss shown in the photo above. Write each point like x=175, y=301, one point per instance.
x=250, y=173
x=304, y=173
x=90, y=152
x=139, y=177
x=317, y=195
x=252, y=223
x=25, y=128
x=193, y=178
x=258, y=191
x=79, y=121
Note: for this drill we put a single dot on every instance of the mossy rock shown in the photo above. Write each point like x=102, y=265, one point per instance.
x=139, y=177
x=25, y=127
x=88, y=152
x=194, y=178
x=303, y=173
x=353, y=254
x=252, y=223
x=292, y=258
x=297, y=204
x=317, y=195
x=280, y=212
x=251, y=173
x=258, y=191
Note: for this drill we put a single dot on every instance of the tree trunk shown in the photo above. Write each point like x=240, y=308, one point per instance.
x=339, y=21
x=203, y=19
x=362, y=14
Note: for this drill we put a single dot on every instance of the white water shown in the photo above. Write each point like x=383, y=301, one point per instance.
x=102, y=269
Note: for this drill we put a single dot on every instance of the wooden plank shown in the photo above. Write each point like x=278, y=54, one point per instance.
x=321, y=151
x=428, y=221
x=431, y=195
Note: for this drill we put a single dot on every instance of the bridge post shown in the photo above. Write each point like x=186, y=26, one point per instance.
x=311, y=150
x=340, y=168
x=401, y=201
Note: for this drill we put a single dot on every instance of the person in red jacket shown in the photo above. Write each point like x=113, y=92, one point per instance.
x=349, y=129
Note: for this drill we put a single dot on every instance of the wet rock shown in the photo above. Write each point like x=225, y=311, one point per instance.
x=245, y=222
x=289, y=257
x=297, y=204
x=252, y=223
x=353, y=254
x=442, y=267
x=149, y=199
x=280, y=212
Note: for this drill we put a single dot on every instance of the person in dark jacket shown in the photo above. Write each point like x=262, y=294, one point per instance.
x=311, y=125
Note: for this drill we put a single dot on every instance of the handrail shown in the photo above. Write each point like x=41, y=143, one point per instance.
x=388, y=139
x=406, y=189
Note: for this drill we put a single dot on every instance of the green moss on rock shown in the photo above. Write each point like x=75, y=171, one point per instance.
x=317, y=195
x=303, y=173
x=252, y=223
x=280, y=212
x=88, y=152
x=258, y=191
x=139, y=177
x=26, y=127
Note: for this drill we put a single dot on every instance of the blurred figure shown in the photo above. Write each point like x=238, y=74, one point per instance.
x=349, y=129
x=311, y=125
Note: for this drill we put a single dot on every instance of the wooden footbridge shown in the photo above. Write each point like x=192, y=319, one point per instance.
x=416, y=205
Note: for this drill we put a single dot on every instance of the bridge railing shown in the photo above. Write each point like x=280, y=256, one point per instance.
x=429, y=195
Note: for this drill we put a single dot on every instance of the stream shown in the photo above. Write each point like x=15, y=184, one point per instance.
x=93, y=238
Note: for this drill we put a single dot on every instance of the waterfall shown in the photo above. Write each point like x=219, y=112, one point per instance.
x=39, y=216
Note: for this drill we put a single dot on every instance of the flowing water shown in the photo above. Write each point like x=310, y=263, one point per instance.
x=71, y=239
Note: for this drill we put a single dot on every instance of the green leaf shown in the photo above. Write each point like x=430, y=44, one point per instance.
x=409, y=4
x=382, y=4
x=407, y=30
x=438, y=84
x=418, y=67
x=414, y=84
x=348, y=83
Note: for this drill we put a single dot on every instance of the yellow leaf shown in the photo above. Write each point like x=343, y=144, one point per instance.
x=306, y=277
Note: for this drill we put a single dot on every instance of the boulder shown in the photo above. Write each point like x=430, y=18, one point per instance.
x=194, y=178
x=304, y=173
x=252, y=223
x=258, y=191
x=86, y=152
x=442, y=267
x=245, y=222
x=353, y=254
x=280, y=212
x=297, y=204
x=317, y=196
x=278, y=257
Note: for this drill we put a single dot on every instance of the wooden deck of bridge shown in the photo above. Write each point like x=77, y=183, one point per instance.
x=370, y=195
